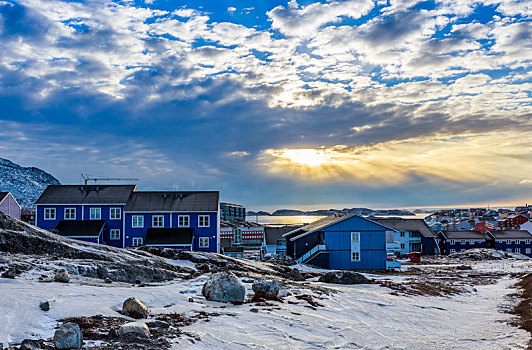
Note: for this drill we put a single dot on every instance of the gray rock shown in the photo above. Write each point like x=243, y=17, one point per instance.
x=137, y=328
x=61, y=275
x=344, y=277
x=133, y=307
x=10, y=273
x=45, y=306
x=112, y=335
x=108, y=280
x=254, y=310
x=224, y=287
x=190, y=299
x=266, y=288
x=295, y=275
x=68, y=336
x=30, y=344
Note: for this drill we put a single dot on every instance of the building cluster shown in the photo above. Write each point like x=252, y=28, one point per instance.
x=123, y=216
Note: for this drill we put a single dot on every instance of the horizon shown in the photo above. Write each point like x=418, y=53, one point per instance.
x=294, y=104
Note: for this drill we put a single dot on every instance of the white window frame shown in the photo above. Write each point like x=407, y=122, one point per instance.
x=355, y=246
x=463, y=241
x=451, y=241
x=202, y=243
x=48, y=213
x=157, y=221
x=185, y=219
x=204, y=224
x=518, y=250
x=452, y=250
x=471, y=241
x=528, y=250
x=112, y=214
x=517, y=241
x=68, y=214
x=96, y=210
x=509, y=250
x=139, y=223
x=401, y=233
x=508, y=241
x=113, y=234
x=527, y=241
x=137, y=241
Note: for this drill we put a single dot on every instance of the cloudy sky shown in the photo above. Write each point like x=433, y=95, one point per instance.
x=275, y=103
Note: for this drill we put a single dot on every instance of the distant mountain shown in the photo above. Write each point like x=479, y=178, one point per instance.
x=327, y=212
x=26, y=184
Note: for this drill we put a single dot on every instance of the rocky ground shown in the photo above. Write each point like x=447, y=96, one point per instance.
x=172, y=284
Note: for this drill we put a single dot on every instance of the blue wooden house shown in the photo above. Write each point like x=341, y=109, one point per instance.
x=343, y=242
x=514, y=241
x=85, y=204
x=459, y=241
x=194, y=215
x=121, y=216
x=414, y=235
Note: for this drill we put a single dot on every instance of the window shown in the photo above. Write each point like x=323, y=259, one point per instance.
x=203, y=221
x=49, y=214
x=137, y=221
x=204, y=242
x=509, y=241
x=157, y=221
x=70, y=213
x=517, y=241
x=402, y=233
x=237, y=237
x=137, y=242
x=518, y=250
x=115, y=234
x=528, y=250
x=462, y=250
x=451, y=241
x=115, y=214
x=355, y=246
x=462, y=241
x=452, y=250
x=96, y=213
x=402, y=246
x=527, y=241
x=509, y=250
x=471, y=241
x=183, y=221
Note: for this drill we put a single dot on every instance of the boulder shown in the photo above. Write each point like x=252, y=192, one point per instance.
x=61, y=275
x=136, y=328
x=157, y=324
x=344, y=277
x=68, y=336
x=295, y=275
x=45, y=306
x=224, y=287
x=133, y=307
x=266, y=288
x=10, y=273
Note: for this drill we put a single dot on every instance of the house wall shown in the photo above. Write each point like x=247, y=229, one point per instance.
x=10, y=206
x=182, y=247
x=171, y=220
x=83, y=213
x=459, y=246
x=429, y=246
x=522, y=245
x=304, y=244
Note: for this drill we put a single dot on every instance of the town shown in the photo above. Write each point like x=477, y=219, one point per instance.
x=122, y=216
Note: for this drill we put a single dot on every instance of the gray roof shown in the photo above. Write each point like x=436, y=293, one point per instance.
x=273, y=234
x=86, y=194
x=464, y=235
x=173, y=201
x=406, y=225
x=511, y=234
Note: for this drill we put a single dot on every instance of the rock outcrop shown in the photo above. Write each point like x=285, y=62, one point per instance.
x=68, y=336
x=344, y=277
x=136, y=328
x=266, y=288
x=134, y=308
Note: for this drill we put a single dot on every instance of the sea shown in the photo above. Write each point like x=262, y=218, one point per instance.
x=307, y=219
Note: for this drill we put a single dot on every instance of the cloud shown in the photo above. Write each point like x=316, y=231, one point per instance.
x=231, y=10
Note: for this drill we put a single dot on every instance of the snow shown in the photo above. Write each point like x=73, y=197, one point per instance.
x=359, y=316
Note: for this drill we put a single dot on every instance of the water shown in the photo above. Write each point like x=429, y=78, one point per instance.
x=307, y=219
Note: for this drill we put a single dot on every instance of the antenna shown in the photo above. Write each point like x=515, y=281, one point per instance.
x=88, y=178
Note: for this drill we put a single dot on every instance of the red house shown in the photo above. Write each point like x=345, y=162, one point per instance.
x=512, y=221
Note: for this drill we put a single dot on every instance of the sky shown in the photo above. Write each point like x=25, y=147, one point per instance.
x=300, y=104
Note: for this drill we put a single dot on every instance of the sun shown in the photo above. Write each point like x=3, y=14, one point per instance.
x=306, y=156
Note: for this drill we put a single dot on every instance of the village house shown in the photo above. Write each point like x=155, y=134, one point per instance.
x=274, y=244
x=232, y=212
x=459, y=241
x=183, y=220
x=516, y=241
x=414, y=235
x=28, y=215
x=344, y=242
x=512, y=221
x=9, y=205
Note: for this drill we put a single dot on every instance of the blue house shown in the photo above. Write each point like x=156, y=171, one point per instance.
x=343, y=242
x=121, y=216
x=274, y=243
x=459, y=241
x=513, y=241
x=85, y=204
x=414, y=235
x=190, y=214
